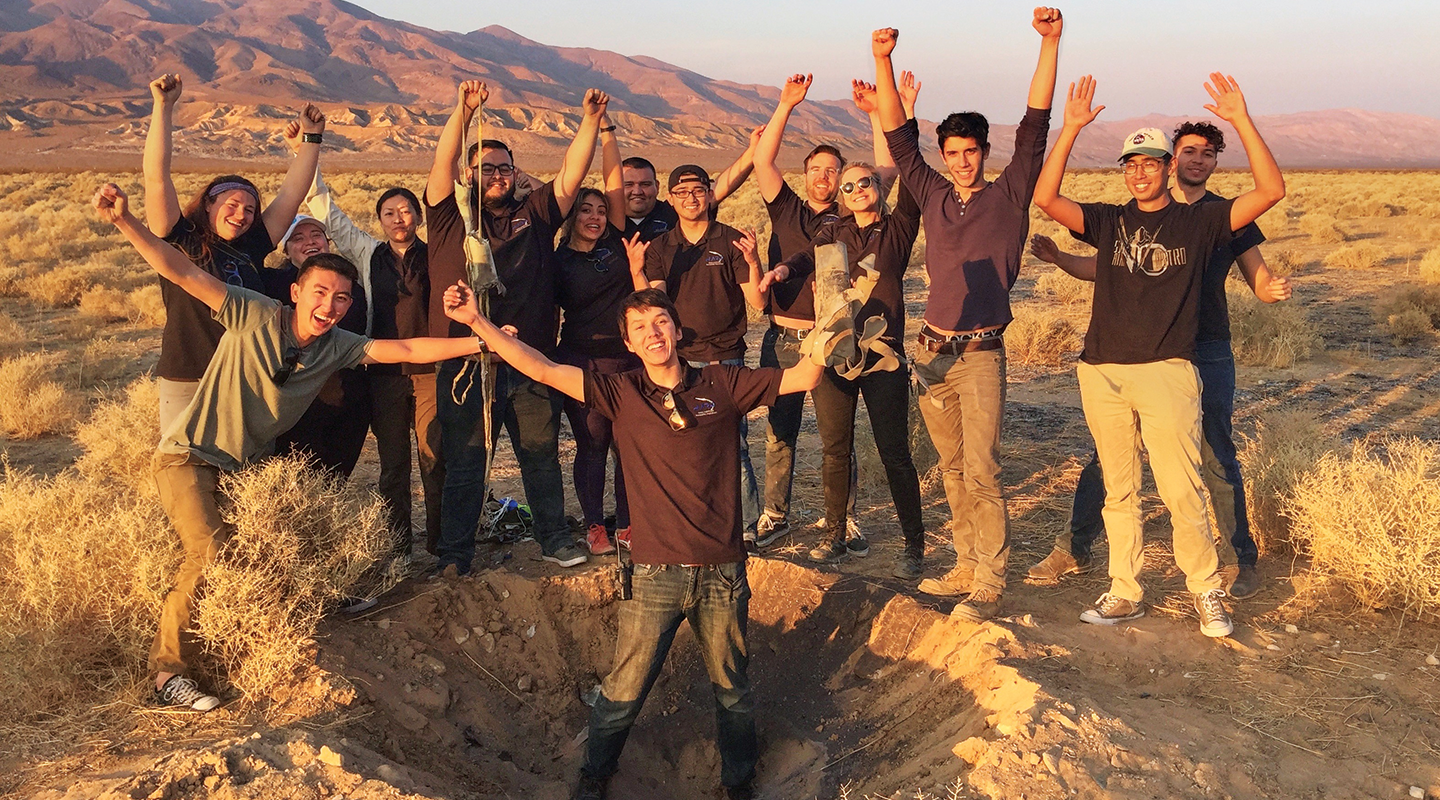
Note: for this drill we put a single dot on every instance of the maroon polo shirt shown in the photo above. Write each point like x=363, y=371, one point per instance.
x=703, y=279
x=683, y=486
x=793, y=225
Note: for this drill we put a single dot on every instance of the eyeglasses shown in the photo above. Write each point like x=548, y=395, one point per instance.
x=849, y=187
x=1135, y=166
x=679, y=420
x=287, y=367
x=503, y=170
x=686, y=194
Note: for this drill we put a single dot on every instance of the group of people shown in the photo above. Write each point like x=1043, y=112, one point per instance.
x=633, y=324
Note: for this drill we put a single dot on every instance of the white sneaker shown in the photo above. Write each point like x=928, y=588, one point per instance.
x=182, y=691
x=1214, y=619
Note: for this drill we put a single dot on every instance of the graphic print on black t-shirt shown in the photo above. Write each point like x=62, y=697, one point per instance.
x=1141, y=251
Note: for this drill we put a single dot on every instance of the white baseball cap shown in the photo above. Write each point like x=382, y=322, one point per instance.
x=302, y=219
x=1147, y=142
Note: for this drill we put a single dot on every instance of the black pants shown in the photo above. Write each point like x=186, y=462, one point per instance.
x=332, y=430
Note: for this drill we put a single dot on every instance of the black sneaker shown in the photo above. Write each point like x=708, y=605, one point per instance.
x=830, y=549
x=180, y=691
x=1246, y=583
x=909, y=566
x=769, y=528
x=745, y=791
x=854, y=540
x=592, y=788
x=566, y=556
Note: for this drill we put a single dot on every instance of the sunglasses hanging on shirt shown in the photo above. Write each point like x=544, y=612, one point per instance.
x=680, y=418
x=286, y=368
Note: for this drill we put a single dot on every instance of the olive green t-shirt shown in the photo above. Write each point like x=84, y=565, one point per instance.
x=240, y=407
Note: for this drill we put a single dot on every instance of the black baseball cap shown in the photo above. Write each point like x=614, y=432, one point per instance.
x=688, y=172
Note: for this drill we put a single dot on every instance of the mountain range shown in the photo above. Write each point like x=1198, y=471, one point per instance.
x=74, y=76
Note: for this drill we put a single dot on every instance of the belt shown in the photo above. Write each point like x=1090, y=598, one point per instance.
x=793, y=333
x=956, y=344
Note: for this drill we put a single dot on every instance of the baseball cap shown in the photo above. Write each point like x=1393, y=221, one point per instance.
x=1147, y=142
x=302, y=219
x=688, y=172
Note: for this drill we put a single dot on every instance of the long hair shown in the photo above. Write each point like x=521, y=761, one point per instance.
x=568, y=227
x=198, y=210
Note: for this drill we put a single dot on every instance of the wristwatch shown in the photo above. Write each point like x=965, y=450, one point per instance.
x=608, y=129
x=312, y=138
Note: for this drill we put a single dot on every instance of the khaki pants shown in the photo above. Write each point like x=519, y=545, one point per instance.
x=1157, y=403
x=962, y=398
x=188, y=488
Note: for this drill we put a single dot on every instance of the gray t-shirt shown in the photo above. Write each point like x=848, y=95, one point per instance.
x=239, y=409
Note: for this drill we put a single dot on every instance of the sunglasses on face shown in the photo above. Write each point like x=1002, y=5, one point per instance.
x=679, y=419
x=286, y=368
x=849, y=187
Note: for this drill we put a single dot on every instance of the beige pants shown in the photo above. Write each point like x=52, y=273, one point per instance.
x=188, y=488
x=1157, y=403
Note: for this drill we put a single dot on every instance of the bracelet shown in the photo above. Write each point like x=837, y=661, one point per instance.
x=312, y=138
x=481, y=343
x=608, y=129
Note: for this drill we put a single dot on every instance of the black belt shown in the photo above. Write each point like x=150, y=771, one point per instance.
x=793, y=333
x=955, y=344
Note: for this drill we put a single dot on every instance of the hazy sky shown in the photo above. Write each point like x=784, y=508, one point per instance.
x=1147, y=57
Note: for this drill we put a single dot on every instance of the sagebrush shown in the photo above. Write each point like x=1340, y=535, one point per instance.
x=1274, y=461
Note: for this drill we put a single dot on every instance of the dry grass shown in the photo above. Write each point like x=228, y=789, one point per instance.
x=104, y=303
x=1357, y=256
x=1041, y=336
x=1286, y=444
x=120, y=436
x=1409, y=315
x=33, y=404
x=146, y=306
x=1283, y=262
x=1322, y=229
x=1430, y=267
x=1371, y=519
x=1268, y=334
x=1064, y=288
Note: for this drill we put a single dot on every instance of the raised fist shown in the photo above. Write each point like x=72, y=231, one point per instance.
x=882, y=42
x=1048, y=22
x=165, y=90
x=472, y=94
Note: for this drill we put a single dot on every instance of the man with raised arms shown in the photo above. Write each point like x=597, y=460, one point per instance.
x=975, y=233
x=1137, y=381
x=650, y=217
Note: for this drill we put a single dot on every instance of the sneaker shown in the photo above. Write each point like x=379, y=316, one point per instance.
x=751, y=546
x=358, y=605
x=769, y=528
x=745, y=791
x=1245, y=584
x=1110, y=610
x=830, y=549
x=598, y=540
x=982, y=604
x=1214, y=619
x=566, y=556
x=1056, y=566
x=592, y=788
x=909, y=566
x=855, y=541
x=954, y=583
x=622, y=537
x=182, y=691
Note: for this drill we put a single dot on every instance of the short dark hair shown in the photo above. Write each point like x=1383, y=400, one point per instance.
x=636, y=162
x=966, y=125
x=646, y=298
x=400, y=191
x=488, y=144
x=827, y=149
x=330, y=262
x=1211, y=134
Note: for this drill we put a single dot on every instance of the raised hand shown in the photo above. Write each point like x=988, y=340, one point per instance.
x=755, y=136
x=471, y=94
x=460, y=304
x=882, y=42
x=1048, y=22
x=165, y=90
x=595, y=102
x=793, y=92
x=1044, y=248
x=1078, y=111
x=909, y=89
x=312, y=119
x=635, y=251
x=1229, y=102
x=292, y=134
x=864, y=96
x=111, y=203
x=746, y=245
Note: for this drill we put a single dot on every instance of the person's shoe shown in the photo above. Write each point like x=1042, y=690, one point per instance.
x=909, y=566
x=598, y=540
x=182, y=691
x=830, y=549
x=1245, y=584
x=566, y=556
x=982, y=604
x=1214, y=619
x=745, y=791
x=592, y=788
x=1056, y=566
x=751, y=545
x=854, y=540
x=1112, y=610
x=358, y=605
x=769, y=528
x=954, y=583
x=622, y=537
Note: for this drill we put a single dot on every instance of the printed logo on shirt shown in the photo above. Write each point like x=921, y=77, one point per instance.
x=702, y=407
x=827, y=220
x=519, y=224
x=713, y=259
x=1140, y=251
x=657, y=226
x=602, y=253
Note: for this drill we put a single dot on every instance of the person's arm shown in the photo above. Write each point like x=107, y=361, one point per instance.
x=162, y=204
x=767, y=175
x=887, y=95
x=351, y=242
x=802, y=377
x=863, y=94
x=612, y=173
x=1078, y=114
x=460, y=306
x=1076, y=266
x=281, y=211
x=750, y=287
x=1229, y=105
x=1266, y=285
x=114, y=208
x=636, y=253
x=581, y=151
x=445, y=171
x=733, y=176
x=420, y=350
x=1048, y=23
x=909, y=91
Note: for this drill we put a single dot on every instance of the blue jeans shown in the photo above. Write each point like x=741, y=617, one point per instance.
x=531, y=414
x=1220, y=468
x=716, y=601
x=749, y=493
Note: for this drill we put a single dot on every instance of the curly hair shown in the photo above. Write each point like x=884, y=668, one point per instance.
x=1210, y=133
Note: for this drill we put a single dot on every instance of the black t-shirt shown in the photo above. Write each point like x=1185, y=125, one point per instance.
x=703, y=279
x=661, y=220
x=1147, y=278
x=793, y=224
x=591, y=288
x=191, y=332
x=401, y=298
x=683, y=486
x=1214, y=309
x=522, y=239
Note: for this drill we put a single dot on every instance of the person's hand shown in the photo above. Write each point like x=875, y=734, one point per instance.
x=746, y=245
x=292, y=135
x=460, y=304
x=909, y=89
x=1078, y=111
x=165, y=90
x=779, y=274
x=471, y=94
x=111, y=203
x=1229, y=102
x=882, y=42
x=1277, y=290
x=312, y=119
x=1048, y=22
x=1044, y=248
x=635, y=250
x=793, y=92
x=595, y=102
x=864, y=96
x=755, y=136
